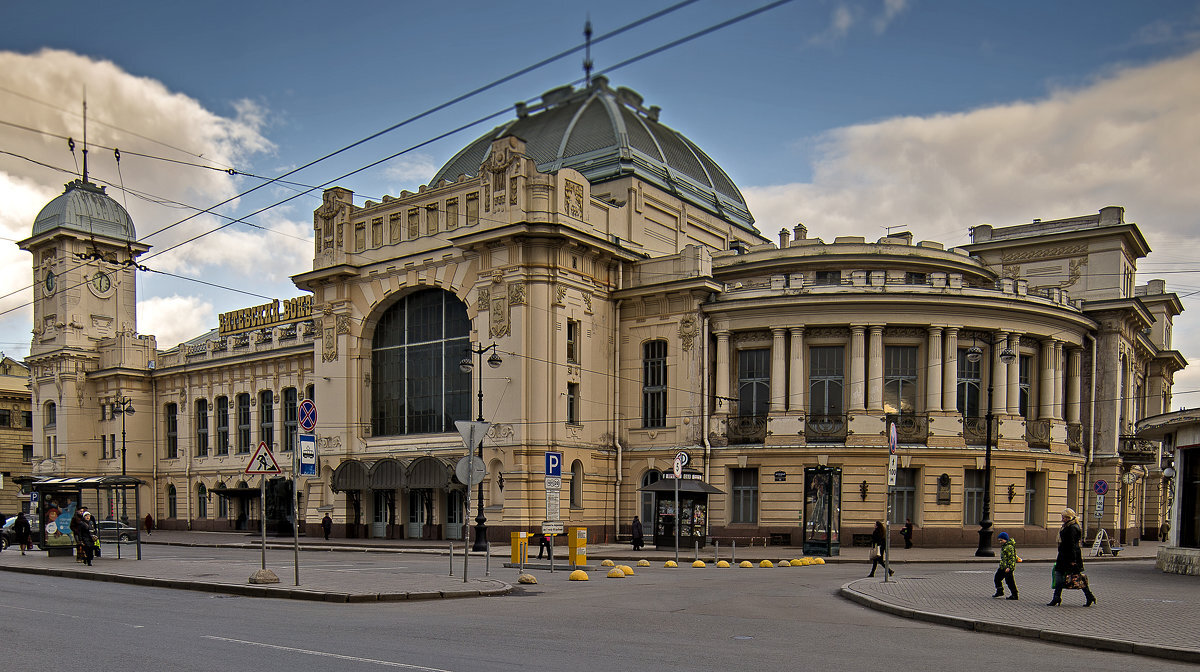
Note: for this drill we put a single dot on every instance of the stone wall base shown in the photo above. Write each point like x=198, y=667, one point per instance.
x=1176, y=560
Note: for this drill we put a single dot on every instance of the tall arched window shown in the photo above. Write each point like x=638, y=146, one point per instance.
x=416, y=384
x=649, y=478
x=577, y=484
x=51, y=417
x=172, y=502
x=201, y=501
x=222, y=503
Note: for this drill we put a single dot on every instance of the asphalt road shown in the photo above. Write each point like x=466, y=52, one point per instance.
x=682, y=619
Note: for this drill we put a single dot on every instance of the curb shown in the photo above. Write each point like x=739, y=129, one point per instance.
x=281, y=592
x=978, y=625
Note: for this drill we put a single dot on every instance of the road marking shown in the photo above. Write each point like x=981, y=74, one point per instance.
x=75, y=616
x=386, y=663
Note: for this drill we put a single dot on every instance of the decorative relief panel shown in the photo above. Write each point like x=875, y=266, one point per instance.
x=688, y=330
x=485, y=299
x=516, y=294
x=1044, y=253
x=827, y=332
x=905, y=332
x=573, y=199
x=560, y=295
x=587, y=301
x=751, y=338
x=498, y=324
x=329, y=351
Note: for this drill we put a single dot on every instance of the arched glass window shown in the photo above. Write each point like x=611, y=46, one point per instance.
x=171, y=415
x=172, y=502
x=649, y=478
x=416, y=384
x=51, y=414
x=577, y=484
x=201, y=501
x=222, y=504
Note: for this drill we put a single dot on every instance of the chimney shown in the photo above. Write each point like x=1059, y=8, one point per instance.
x=784, y=238
x=801, y=231
x=1113, y=215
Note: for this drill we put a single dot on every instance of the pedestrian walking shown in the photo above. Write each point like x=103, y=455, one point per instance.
x=327, y=526
x=906, y=532
x=24, y=532
x=1068, y=565
x=1008, y=566
x=878, y=539
x=638, y=537
x=1164, y=531
x=544, y=545
x=149, y=524
x=84, y=543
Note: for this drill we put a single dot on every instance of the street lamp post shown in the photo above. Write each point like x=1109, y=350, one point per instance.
x=465, y=366
x=123, y=406
x=974, y=354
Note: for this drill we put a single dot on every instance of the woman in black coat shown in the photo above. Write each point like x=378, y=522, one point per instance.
x=1069, y=560
x=878, y=539
x=24, y=533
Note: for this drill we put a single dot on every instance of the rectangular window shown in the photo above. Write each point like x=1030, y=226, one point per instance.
x=112, y=445
x=202, y=427
x=573, y=341
x=1035, y=498
x=291, y=425
x=915, y=279
x=172, y=430
x=243, y=422
x=103, y=447
x=904, y=496
x=826, y=380
x=969, y=382
x=222, y=425
x=754, y=382
x=433, y=223
x=1023, y=385
x=573, y=403
x=414, y=224
x=828, y=278
x=452, y=214
x=654, y=384
x=266, y=418
x=394, y=227
x=472, y=208
x=360, y=236
x=27, y=453
x=973, y=486
x=6, y=417
x=377, y=232
x=310, y=392
x=900, y=379
x=744, y=492
x=27, y=418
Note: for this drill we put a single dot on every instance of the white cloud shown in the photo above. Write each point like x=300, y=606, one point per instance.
x=845, y=16
x=409, y=171
x=172, y=319
x=1129, y=139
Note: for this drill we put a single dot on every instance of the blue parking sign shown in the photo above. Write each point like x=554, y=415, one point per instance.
x=554, y=464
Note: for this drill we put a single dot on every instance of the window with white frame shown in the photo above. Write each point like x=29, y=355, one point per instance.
x=826, y=380
x=754, y=382
x=973, y=488
x=969, y=382
x=654, y=384
x=201, y=427
x=900, y=379
x=1023, y=389
x=743, y=495
x=904, y=496
x=171, y=417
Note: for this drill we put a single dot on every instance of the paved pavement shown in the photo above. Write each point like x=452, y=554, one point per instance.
x=1140, y=610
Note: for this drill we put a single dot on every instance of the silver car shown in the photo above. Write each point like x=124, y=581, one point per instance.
x=112, y=530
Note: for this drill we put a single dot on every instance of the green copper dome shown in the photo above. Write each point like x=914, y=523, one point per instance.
x=607, y=134
x=84, y=207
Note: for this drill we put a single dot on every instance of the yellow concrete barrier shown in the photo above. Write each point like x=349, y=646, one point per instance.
x=578, y=575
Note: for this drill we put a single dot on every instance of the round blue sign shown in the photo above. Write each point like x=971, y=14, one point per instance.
x=1101, y=487
x=308, y=415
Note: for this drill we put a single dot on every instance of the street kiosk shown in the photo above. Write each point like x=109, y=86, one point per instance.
x=693, y=505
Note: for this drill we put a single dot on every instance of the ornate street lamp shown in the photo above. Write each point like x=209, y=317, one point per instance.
x=465, y=366
x=974, y=354
x=123, y=406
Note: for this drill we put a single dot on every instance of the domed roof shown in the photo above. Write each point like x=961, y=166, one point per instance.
x=605, y=135
x=84, y=207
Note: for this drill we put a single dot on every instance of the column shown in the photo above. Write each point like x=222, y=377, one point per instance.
x=1058, y=381
x=950, y=371
x=858, y=372
x=798, y=385
x=778, y=371
x=875, y=370
x=1000, y=388
x=722, y=403
x=1014, y=375
x=1046, y=397
x=933, y=371
x=1074, y=360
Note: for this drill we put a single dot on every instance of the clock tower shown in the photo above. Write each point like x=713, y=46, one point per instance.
x=85, y=348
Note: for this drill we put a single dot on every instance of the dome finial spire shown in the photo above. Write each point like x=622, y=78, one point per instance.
x=85, y=179
x=587, y=55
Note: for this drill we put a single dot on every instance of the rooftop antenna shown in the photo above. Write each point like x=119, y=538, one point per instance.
x=888, y=228
x=85, y=135
x=587, y=56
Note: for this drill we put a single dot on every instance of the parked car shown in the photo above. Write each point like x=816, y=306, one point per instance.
x=112, y=530
x=9, y=538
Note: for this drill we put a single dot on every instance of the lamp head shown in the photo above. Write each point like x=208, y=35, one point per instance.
x=465, y=364
x=1169, y=472
x=974, y=354
x=1007, y=355
x=495, y=361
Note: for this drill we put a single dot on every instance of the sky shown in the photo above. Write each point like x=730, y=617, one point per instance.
x=850, y=116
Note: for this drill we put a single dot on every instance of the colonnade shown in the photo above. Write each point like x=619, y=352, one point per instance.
x=1058, y=375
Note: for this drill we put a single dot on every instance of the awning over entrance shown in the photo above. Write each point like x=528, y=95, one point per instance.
x=430, y=472
x=387, y=474
x=236, y=493
x=685, y=485
x=89, y=481
x=351, y=475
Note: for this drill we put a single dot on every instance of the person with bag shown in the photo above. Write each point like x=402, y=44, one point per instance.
x=638, y=534
x=878, y=539
x=24, y=533
x=906, y=532
x=1008, y=565
x=84, y=541
x=1068, y=565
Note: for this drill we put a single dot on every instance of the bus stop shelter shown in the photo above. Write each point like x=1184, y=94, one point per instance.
x=107, y=497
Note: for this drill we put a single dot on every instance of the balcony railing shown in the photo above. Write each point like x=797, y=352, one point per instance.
x=910, y=428
x=1037, y=433
x=975, y=430
x=1075, y=437
x=825, y=429
x=747, y=429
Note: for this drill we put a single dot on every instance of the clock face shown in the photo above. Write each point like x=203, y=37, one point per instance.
x=49, y=281
x=101, y=281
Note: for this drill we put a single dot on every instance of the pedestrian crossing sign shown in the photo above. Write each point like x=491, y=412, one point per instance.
x=263, y=462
